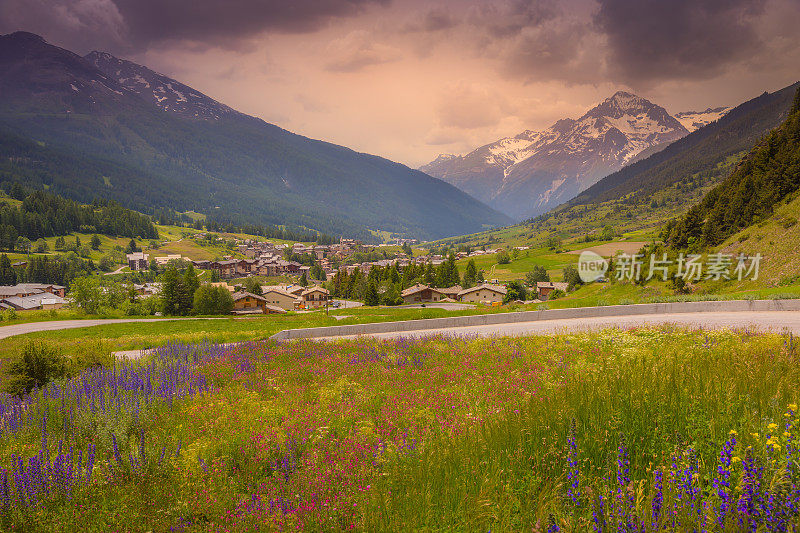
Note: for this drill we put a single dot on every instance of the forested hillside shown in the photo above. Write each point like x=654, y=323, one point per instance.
x=699, y=152
x=70, y=126
x=42, y=214
x=769, y=173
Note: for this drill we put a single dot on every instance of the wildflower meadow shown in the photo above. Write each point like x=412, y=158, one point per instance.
x=645, y=430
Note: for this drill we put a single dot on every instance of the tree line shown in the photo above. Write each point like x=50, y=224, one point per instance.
x=43, y=214
x=383, y=285
x=767, y=175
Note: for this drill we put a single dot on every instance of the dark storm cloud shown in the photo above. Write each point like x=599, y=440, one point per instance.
x=136, y=24
x=197, y=20
x=651, y=40
x=504, y=19
x=434, y=20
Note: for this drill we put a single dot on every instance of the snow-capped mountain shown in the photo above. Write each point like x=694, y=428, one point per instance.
x=533, y=172
x=163, y=91
x=694, y=120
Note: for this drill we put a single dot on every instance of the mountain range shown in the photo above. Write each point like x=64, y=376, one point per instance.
x=533, y=172
x=100, y=126
x=702, y=153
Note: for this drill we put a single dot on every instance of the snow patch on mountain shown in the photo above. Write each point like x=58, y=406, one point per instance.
x=693, y=120
x=531, y=172
x=168, y=94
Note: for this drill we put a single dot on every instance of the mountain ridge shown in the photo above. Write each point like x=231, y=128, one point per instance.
x=533, y=172
x=230, y=166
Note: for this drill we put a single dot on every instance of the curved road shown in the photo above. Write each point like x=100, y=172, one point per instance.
x=53, y=325
x=776, y=321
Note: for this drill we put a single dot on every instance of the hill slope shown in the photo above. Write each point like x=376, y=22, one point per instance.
x=701, y=151
x=767, y=175
x=536, y=171
x=200, y=155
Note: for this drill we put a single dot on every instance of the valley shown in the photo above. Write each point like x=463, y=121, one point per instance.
x=234, y=296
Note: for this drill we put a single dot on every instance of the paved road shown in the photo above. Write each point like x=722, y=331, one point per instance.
x=776, y=321
x=117, y=271
x=451, y=306
x=53, y=325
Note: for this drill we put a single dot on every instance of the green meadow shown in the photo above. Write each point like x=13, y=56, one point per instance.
x=649, y=429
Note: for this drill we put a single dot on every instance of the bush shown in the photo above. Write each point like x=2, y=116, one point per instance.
x=555, y=294
x=210, y=300
x=503, y=258
x=36, y=365
x=572, y=277
x=539, y=273
x=515, y=291
x=89, y=354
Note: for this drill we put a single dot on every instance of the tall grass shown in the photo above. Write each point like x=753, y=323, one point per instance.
x=648, y=429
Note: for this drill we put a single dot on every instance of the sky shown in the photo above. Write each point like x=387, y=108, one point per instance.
x=409, y=80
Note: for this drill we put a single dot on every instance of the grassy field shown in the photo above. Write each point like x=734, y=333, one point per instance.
x=639, y=430
x=133, y=336
x=172, y=240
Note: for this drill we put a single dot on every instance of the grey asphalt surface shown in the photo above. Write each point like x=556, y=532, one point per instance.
x=775, y=321
x=53, y=325
x=451, y=306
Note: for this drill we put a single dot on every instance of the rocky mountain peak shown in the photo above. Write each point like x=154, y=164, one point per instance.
x=22, y=37
x=166, y=93
x=533, y=171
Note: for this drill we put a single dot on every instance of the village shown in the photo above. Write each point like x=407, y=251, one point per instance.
x=304, y=287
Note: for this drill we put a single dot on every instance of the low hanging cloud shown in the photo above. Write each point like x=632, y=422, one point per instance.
x=358, y=50
x=470, y=106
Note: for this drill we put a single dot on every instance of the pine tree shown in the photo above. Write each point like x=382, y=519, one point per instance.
x=304, y=280
x=470, y=275
x=253, y=286
x=8, y=276
x=189, y=285
x=371, y=296
x=171, y=291
x=430, y=275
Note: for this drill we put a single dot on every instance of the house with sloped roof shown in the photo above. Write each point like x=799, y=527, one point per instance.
x=138, y=261
x=248, y=303
x=315, y=297
x=451, y=292
x=544, y=288
x=420, y=293
x=485, y=293
x=279, y=297
x=41, y=300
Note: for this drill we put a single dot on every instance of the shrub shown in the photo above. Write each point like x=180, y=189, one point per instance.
x=34, y=367
x=210, y=300
x=515, y=291
x=90, y=354
x=539, y=273
x=572, y=277
x=556, y=294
